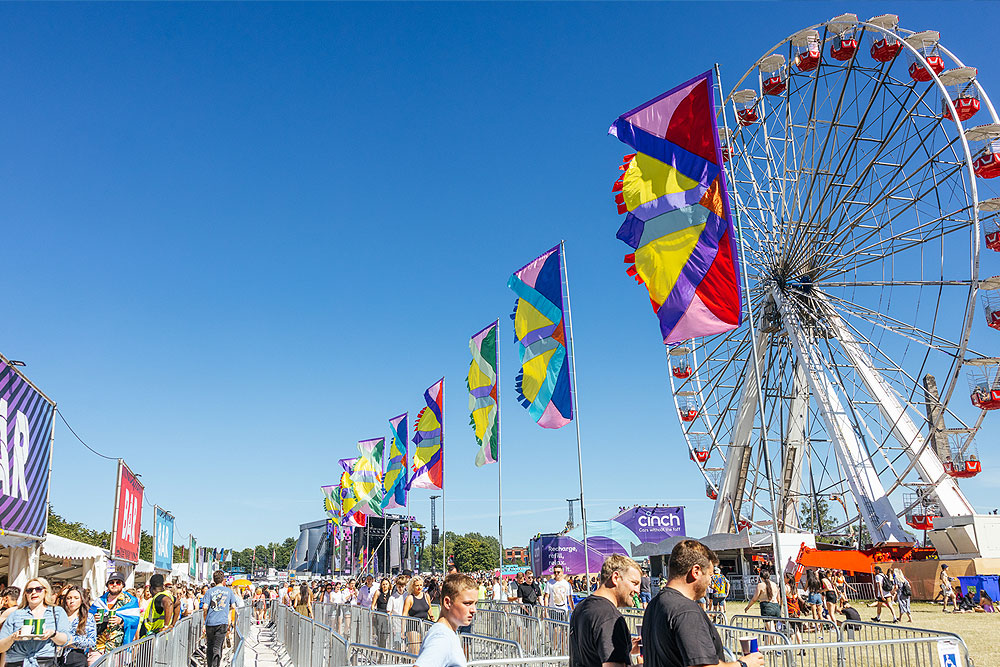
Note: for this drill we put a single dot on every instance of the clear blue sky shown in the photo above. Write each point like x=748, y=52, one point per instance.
x=239, y=238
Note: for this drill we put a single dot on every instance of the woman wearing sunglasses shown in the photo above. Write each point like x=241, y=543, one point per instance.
x=34, y=630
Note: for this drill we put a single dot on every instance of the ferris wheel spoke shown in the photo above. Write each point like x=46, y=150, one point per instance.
x=894, y=325
x=851, y=193
x=849, y=150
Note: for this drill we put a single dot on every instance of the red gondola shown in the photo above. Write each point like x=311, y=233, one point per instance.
x=807, y=47
x=843, y=49
x=886, y=45
x=700, y=455
x=688, y=414
x=681, y=372
x=993, y=240
x=920, y=73
x=885, y=50
x=926, y=44
x=773, y=74
x=987, y=166
x=963, y=469
x=921, y=521
x=984, y=385
x=710, y=492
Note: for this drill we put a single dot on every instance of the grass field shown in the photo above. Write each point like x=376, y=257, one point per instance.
x=981, y=632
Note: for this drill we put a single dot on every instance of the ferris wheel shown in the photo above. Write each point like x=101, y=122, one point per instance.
x=857, y=153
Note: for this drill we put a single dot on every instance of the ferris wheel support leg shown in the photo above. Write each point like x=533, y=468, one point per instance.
x=728, y=504
x=855, y=464
x=950, y=498
x=794, y=451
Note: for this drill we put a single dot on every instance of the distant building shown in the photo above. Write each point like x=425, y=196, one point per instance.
x=516, y=554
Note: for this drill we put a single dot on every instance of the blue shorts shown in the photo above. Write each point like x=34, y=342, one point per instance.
x=645, y=598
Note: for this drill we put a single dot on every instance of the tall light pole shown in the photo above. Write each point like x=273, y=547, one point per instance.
x=433, y=528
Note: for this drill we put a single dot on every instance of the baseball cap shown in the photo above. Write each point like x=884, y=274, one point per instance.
x=114, y=576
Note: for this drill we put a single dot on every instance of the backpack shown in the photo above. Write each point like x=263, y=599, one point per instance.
x=905, y=589
x=886, y=585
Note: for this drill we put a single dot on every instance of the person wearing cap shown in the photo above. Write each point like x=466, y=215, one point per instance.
x=122, y=612
x=948, y=589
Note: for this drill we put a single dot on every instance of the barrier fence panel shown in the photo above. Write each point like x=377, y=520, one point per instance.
x=554, y=661
x=730, y=636
x=913, y=652
x=861, y=631
x=809, y=630
x=860, y=591
x=478, y=647
x=360, y=654
x=555, y=638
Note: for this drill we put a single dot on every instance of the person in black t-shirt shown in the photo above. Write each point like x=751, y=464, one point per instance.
x=527, y=591
x=598, y=635
x=676, y=631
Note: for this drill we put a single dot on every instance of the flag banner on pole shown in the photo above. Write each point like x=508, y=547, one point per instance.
x=348, y=464
x=331, y=502
x=348, y=499
x=677, y=220
x=429, y=445
x=396, y=473
x=482, y=383
x=192, y=558
x=542, y=384
x=367, y=476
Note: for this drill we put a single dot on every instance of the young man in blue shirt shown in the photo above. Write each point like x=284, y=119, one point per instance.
x=217, y=602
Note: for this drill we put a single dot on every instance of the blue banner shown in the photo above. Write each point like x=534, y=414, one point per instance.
x=163, y=546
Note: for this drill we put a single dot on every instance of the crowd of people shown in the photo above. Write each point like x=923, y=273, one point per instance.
x=44, y=626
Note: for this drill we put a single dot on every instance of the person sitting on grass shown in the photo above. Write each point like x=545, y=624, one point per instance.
x=986, y=603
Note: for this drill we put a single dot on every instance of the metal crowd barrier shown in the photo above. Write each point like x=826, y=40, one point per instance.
x=717, y=617
x=536, y=610
x=822, y=629
x=860, y=591
x=912, y=652
x=361, y=654
x=555, y=661
x=174, y=647
x=847, y=631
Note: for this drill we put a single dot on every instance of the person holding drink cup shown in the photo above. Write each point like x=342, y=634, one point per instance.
x=676, y=631
x=32, y=632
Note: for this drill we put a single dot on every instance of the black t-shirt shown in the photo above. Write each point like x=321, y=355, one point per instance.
x=598, y=634
x=645, y=585
x=851, y=614
x=527, y=593
x=676, y=632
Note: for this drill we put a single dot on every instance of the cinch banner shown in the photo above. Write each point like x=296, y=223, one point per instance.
x=621, y=534
x=26, y=424
x=192, y=565
x=163, y=547
x=128, y=516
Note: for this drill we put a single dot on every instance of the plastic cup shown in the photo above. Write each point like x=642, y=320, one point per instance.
x=748, y=645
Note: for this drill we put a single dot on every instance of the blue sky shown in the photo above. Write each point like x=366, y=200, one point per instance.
x=240, y=237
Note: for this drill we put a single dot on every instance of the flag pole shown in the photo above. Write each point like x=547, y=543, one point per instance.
x=496, y=380
x=779, y=574
x=576, y=409
x=444, y=522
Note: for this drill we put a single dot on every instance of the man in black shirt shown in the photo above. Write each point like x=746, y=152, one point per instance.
x=676, y=631
x=598, y=635
x=527, y=591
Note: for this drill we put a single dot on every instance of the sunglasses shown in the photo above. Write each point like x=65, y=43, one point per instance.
x=34, y=589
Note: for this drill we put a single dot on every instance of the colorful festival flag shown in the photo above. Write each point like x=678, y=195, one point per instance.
x=678, y=220
x=482, y=383
x=367, y=476
x=543, y=382
x=331, y=502
x=428, y=437
x=396, y=473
